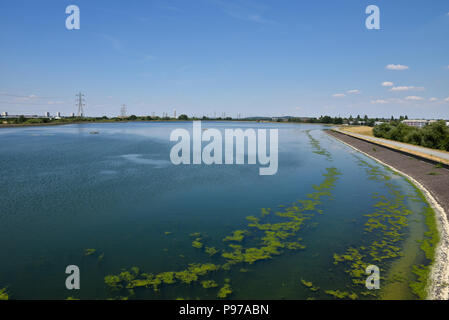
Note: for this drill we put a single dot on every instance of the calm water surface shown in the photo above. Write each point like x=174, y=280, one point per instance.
x=64, y=190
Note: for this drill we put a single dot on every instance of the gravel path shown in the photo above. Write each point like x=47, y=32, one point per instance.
x=435, y=180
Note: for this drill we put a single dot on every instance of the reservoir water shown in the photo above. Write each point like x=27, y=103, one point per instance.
x=160, y=231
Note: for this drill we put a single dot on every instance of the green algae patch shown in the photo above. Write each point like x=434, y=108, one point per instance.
x=237, y=236
x=186, y=277
x=224, y=291
x=4, y=294
x=337, y=294
x=309, y=285
x=209, y=284
x=195, y=234
x=197, y=243
x=167, y=277
x=316, y=146
x=211, y=251
x=266, y=236
x=113, y=282
x=387, y=228
x=89, y=252
x=428, y=246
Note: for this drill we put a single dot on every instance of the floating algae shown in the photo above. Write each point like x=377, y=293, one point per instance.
x=274, y=232
x=309, y=285
x=197, y=243
x=113, y=282
x=224, y=291
x=209, y=284
x=316, y=146
x=3, y=294
x=211, y=251
x=89, y=252
x=128, y=279
x=428, y=246
x=268, y=239
x=341, y=294
x=265, y=212
x=237, y=235
x=388, y=225
x=195, y=234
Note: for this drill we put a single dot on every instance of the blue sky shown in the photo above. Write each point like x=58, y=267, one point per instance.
x=200, y=57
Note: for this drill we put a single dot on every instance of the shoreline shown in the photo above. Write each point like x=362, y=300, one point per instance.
x=437, y=288
x=24, y=125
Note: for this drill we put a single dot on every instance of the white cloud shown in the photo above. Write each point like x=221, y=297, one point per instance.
x=354, y=91
x=447, y=99
x=339, y=95
x=433, y=99
x=396, y=67
x=414, y=98
x=387, y=84
x=379, y=101
x=406, y=88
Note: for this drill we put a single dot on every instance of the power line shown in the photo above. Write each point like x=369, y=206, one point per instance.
x=81, y=104
x=123, y=111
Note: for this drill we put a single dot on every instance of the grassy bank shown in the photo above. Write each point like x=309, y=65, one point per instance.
x=368, y=131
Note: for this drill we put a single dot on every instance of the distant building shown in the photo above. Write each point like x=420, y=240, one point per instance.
x=360, y=122
x=4, y=114
x=416, y=123
x=47, y=114
x=377, y=123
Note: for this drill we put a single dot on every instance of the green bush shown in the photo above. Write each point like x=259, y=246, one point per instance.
x=435, y=135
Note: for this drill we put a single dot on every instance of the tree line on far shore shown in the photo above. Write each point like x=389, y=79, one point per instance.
x=434, y=135
x=22, y=120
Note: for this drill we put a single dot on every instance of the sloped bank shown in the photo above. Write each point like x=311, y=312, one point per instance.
x=433, y=182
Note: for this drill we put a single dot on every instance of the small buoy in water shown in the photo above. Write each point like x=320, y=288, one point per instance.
x=94, y=132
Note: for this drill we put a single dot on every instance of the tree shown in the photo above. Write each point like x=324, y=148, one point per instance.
x=183, y=117
x=435, y=135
